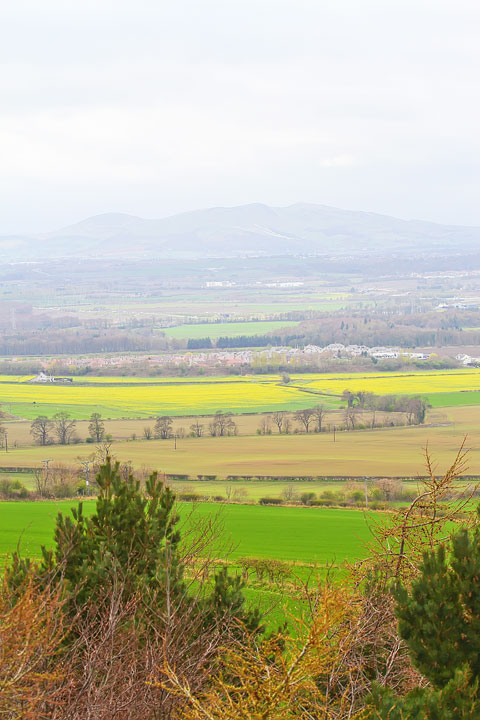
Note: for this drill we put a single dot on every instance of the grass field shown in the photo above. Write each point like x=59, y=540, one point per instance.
x=304, y=535
x=235, y=329
x=451, y=399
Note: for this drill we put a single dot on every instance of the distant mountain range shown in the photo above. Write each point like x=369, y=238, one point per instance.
x=247, y=230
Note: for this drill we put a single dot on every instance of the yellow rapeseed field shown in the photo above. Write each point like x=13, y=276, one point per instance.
x=137, y=400
x=439, y=381
x=146, y=397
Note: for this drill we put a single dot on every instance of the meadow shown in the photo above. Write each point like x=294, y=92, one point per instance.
x=301, y=535
x=233, y=329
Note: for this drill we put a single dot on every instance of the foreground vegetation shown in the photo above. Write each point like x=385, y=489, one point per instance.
x=133, y=613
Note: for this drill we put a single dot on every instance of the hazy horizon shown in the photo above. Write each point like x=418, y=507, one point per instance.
x=231, y=207
x=155, y=109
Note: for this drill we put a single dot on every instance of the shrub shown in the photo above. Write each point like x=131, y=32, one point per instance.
x=190, y=497
x=13, y=489
x=65, y=489
x=307, y=497
x=270, y=501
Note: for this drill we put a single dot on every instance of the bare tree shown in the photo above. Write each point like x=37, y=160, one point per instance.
x=287, y=425
x=40, y=430
x=415, y=410
x=305, y=418
x=64, y=427
x=103, y=451
x=290, y=493
x=42, y=481
x=264, y=427
x=163, y=427
x=350, y=418
x=239, y=494
x=197, y=428
x=319, y=413
x=279, y=418
x=147, y=432
x=96, y=427
x=222, y=424
x=389, y=488
x=400, y=539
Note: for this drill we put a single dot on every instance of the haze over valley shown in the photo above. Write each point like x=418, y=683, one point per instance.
x=243, y=231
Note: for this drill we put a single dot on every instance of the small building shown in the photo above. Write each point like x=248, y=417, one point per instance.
x=44, y=378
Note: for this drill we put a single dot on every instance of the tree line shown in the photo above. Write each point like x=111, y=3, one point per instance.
x=221, y=425
x=62, y=429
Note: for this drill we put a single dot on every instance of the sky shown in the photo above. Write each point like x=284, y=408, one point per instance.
x=153, y=107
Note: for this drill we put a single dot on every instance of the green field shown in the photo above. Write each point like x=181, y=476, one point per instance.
x=302, y=535
x=452, y=399
x=234, y=329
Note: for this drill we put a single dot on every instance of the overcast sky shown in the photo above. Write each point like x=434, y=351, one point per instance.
x=153, y=107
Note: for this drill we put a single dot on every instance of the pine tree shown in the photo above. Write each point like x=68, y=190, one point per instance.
x=227, y=600
x=130, y=540
x=439, y=619
x=131, y=536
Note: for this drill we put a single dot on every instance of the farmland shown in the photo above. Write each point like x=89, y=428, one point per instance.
x=147, y=400
x=131, y=397
x=404, y=383
x=396, y=451
x=232, y=329
x=133, y=403
x=305, y=535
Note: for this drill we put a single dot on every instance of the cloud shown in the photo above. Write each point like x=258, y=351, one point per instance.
x=153, y=108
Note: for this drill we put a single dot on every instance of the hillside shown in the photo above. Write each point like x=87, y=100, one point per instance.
x=245, y=230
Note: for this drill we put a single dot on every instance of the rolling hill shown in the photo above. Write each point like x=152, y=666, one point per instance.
x=246, y=230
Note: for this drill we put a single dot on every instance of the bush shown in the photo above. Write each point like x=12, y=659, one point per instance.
x=65, y=489
x=89, y=440
x=190, y=497
x=13, y=489
x=270, y=501
x=307, y=497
